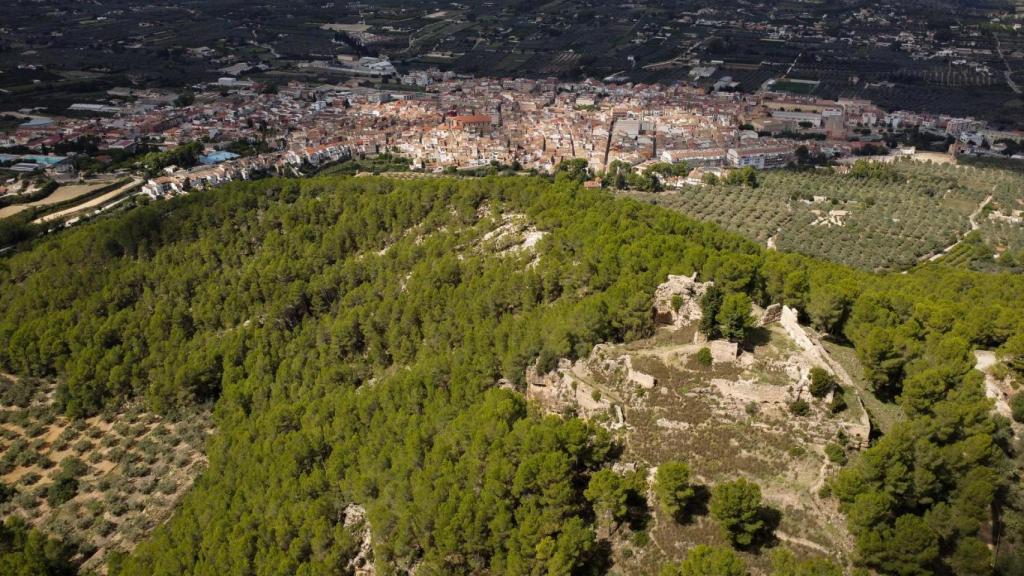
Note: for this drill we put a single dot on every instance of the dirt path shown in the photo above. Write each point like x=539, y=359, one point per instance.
x=802, y=542
x=98, y=201
x=1008, y=73
x=973, y=219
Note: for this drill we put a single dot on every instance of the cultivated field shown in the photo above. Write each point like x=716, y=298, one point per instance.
x=872, y=223
x=102, y=483
x=93, y=203
x=59, y=196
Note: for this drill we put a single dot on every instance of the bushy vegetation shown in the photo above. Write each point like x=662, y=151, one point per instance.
x=44, y=189
x=111, y=502
x=785, y=563
x=27, y=552
x=375, y=165
x=672, y=488
x=184, y=156
x=704, y=357
x=704, y=560
x=353, y=334
x=822, y=382
x=737, y=508
x=1017, y=407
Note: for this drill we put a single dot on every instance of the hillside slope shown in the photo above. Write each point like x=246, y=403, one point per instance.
x=365, y=341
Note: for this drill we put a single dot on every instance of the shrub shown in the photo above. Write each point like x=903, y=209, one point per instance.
x=84, y=522
x=821, y=382
x=147, y=485
x=6, y=493
x=836, y=453
x=35, y=430
x=26, y=500
x=677, y=302
x=799, y=408
x=1017, y=407
x=116, y=506
x=104, y=527
x=65, y=484
x=83, y=446
x=64, y=488
x=785, y=563
x=704, y=357
x=167, y=486
x=704, y=560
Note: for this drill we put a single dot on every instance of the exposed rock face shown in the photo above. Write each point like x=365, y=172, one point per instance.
x=561, y=391
x=772, y=314
x=355, y=520
x=687, y=288
x=572, y=386
x=791, y=324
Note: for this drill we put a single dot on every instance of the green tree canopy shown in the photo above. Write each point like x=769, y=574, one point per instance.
x=736, y=506
x=672, y=488
x=704, y=560
x=734, y=317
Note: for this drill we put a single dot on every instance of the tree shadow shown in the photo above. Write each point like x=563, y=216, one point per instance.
x=600, y=560
x=639, y=512
x=696, y=506
x=755, y=337
x=766, y=537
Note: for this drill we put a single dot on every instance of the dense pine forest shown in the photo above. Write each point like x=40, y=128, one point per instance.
x=363, y=340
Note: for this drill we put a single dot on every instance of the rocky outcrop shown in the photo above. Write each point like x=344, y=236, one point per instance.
x=562, y=391
x=772, y=314
x=790, y=322
x=684, y=288
x=636, y=377
x=575, y=387
x=859, y=432
x=723, y=351
x=356, y=522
